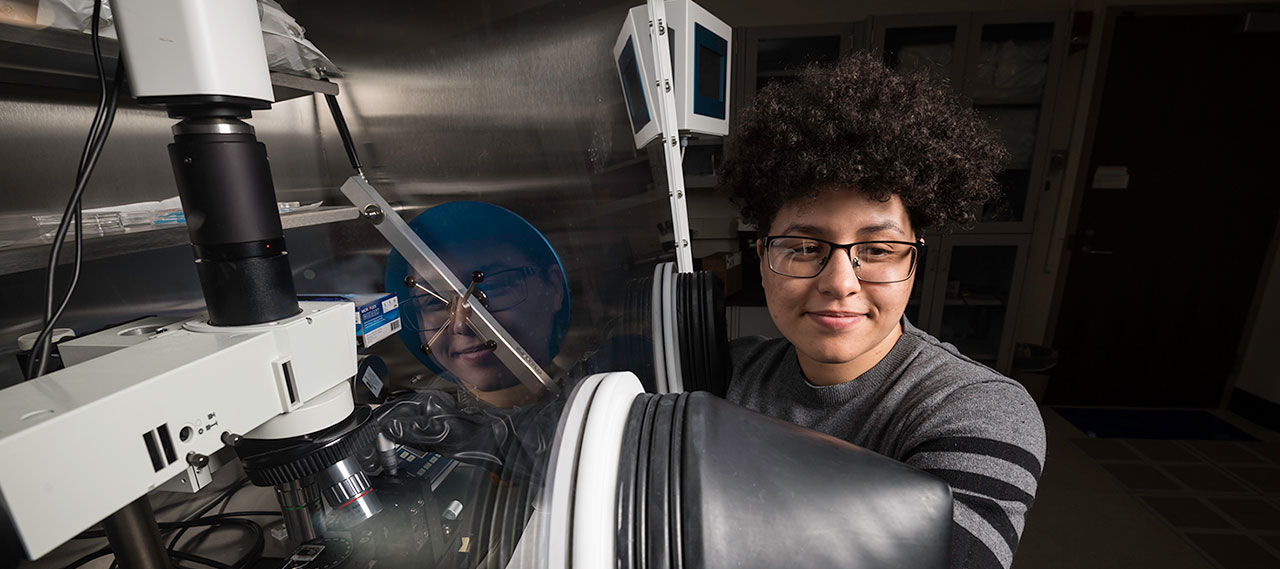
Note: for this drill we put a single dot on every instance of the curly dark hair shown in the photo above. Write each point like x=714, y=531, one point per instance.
x=862, y=126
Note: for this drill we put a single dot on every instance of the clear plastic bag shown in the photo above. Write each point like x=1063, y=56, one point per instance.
x=287, y=50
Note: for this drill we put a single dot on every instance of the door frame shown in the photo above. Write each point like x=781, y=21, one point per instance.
x=1080, y=171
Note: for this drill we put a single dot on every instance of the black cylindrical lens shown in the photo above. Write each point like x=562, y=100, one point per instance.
x=224, y=181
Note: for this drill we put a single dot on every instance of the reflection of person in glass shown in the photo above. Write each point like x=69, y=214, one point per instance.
x=524, y=298
x=523, y=287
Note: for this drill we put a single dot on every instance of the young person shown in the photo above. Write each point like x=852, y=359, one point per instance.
x=841, y=171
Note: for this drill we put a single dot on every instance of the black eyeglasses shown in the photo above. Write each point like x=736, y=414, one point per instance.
x=873, y=261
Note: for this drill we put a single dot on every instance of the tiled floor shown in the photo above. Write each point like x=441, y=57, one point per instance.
x=1149, y=503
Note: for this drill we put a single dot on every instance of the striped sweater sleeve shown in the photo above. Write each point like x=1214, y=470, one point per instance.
x=987, y=441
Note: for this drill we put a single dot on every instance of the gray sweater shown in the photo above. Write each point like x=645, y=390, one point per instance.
x=928, y=406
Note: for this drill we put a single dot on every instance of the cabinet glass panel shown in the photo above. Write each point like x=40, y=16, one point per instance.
x=1012, y=63
x=1006, y=81
x=976, y=299
x=931, y=48
x=1017, y=127
x=702, y=158
x=780, y=59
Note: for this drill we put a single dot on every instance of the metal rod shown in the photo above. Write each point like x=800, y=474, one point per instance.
x=300, y=506
x=343, y=131
x=409, y=280
x=135, y=537
x=437, y=274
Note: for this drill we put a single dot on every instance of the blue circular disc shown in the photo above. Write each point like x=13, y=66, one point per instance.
x=525, y=283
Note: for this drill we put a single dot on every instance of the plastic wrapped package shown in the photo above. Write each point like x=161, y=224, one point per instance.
x=933, y=58
x=1011, y=70
x=115, y=219
x=75, y=15
x=287, y=49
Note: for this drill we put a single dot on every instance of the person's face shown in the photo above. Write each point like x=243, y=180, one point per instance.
x=524, y=299
x=835, y=319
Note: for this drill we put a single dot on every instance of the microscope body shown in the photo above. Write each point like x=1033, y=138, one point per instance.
x=82, y=442
x=85, y=442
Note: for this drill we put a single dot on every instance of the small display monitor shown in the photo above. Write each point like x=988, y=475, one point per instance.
x=700, y=45
x=710, y=70
x=633, y=86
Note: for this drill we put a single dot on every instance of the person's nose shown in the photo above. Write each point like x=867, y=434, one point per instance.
x=838, y=278
x=459, y=325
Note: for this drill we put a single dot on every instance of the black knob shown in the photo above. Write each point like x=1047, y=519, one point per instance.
x=197, y=460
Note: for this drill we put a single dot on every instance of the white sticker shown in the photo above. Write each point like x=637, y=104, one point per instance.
x=390, y=304
x=372, y=381
x=372, y=337
x=1111, y=177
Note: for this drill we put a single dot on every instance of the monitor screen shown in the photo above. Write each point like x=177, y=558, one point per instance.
x=633, y=86
x=709, y=72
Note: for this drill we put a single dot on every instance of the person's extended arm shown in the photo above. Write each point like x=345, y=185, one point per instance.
x=987, y=441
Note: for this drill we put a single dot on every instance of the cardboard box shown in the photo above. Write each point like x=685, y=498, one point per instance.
x=727, y=266
x=377, y=314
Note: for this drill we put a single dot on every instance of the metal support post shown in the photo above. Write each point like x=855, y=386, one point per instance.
x=135, y=537
x=670, y=138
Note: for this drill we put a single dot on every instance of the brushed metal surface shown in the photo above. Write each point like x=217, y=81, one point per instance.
x=507, y=102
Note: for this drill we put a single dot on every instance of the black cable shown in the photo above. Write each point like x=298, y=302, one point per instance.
x=89, y=557
x=254, y=528
x=176, y=554
x=246, y=514
x=44, y=341
x=199, y=519
x=226, y=494
x=74, y=204
x=198, y=559
x=198, y=539
x=103, y=119
x=170, y=526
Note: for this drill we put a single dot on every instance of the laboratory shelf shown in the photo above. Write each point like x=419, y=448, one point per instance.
x=33, y=253
x=64, y=59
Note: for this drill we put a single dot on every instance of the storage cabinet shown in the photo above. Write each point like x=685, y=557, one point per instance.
x=966, y=290
x=1006, y=66
x=936, y=43
x=779, y=53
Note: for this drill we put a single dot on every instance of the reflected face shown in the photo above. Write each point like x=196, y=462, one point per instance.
x=523, y=298
x=834, y=320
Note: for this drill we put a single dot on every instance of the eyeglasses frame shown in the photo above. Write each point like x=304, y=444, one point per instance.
x=449, y=305
x=767, y=240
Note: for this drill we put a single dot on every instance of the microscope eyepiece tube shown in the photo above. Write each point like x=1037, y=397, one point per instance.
x=224, y=180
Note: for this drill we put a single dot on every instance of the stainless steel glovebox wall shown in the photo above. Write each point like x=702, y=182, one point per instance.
x=512, y=103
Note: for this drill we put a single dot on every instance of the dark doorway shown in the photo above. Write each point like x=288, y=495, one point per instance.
x=1163, y=272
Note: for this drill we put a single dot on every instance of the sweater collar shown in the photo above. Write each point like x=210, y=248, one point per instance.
x=871, y=380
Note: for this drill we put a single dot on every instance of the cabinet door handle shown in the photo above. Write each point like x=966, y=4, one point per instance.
x=1089, y=251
